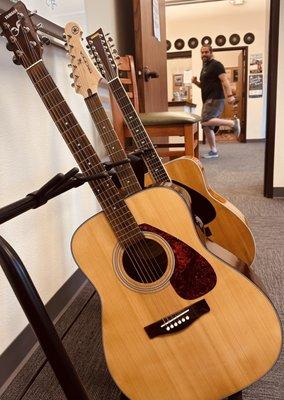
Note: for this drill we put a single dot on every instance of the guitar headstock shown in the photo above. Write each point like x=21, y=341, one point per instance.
x=103, y=53
x=21, y=34
x=86, y=77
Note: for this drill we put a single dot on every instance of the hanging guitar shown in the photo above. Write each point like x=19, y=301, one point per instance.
x=226, y=223
x=177, y=322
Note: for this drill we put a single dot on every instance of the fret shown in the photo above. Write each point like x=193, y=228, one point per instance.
x=40, y=79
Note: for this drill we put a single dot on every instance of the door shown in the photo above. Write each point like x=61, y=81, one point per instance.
x=150, y=54
x=241, y=94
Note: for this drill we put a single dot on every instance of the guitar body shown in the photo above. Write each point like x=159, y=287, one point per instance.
x=228, y=228
x=230, y=345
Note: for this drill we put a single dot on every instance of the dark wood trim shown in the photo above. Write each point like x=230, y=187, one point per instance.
x=179, y=54
x=256, y=140
x=229, y=48
x=244, y=50
x=12, y=357
x=278, y=192
x=53, y=30
x=180, y=103
x=272, y=98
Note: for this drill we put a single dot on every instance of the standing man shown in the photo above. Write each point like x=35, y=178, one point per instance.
x=215, y=88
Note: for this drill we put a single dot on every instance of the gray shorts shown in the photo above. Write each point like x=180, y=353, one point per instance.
x=212, y=108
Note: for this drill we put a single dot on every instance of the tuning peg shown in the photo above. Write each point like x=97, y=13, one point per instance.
x=38, y=26
x=19, y=53
x=20, y=15
x=69, y=65
x=33, y=43
x=16, y=60
x=72, y=84
x=9, y=46
x=31, y=13
x=71, y=75
x=45, y=40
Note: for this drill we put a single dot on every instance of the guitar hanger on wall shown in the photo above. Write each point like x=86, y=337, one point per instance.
x=54, y=31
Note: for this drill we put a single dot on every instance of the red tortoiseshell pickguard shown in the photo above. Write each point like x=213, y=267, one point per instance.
x=193, y=275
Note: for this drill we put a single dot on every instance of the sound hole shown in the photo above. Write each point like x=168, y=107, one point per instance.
x=145, y=262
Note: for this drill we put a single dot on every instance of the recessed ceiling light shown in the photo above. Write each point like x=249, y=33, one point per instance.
x=237, y=2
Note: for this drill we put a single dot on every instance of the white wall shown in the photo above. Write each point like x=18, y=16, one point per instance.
x=31, y=152
x=278, y=181
x=213, y=19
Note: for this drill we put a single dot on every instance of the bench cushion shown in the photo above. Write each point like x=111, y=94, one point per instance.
x=168, y=118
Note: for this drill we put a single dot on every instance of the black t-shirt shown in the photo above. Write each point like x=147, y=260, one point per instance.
x=211, y=86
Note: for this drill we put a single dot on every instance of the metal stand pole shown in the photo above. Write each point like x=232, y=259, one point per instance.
x=35, y=311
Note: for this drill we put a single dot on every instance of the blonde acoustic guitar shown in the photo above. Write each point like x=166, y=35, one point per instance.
x=178, y=323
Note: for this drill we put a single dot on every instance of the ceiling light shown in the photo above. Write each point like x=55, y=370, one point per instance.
x=237, y=2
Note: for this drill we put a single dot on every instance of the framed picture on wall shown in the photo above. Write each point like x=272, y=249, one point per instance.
x=255, y=64
x=177, y=80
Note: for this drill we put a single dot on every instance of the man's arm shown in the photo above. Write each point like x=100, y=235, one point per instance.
x=227, y=88
x=195, y=81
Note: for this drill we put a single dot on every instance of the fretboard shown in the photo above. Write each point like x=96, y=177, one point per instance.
x=116, y=210
x=110, y=140
x=140, y=136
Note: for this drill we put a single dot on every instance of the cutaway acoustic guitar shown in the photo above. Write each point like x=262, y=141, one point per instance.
x=227, y=225
x=177, y=322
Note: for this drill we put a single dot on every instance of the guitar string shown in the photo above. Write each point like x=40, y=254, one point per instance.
x=111, y=134
x=139, y=133
x=57, y=123
x=130, y=253
x=105, y=118
x=113, y=75
x=27, y=62
x=94, y=104
x=113, y=146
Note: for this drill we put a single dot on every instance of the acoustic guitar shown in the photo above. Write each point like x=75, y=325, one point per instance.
x=225, y=223
x=177, y=321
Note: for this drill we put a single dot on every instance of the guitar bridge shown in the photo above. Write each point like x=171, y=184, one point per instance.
x=178, y=321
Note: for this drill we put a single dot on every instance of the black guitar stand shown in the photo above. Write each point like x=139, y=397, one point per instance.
x=25, y=290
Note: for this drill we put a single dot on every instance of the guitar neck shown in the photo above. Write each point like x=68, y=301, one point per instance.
x=140, y=136
x=110, y=140
x=116, y=210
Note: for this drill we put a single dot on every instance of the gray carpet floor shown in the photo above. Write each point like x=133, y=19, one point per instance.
x=238, y=175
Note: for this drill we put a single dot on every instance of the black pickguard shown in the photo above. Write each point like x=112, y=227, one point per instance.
x=200, y=205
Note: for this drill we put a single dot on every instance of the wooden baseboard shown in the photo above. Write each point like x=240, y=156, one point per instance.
x=278, y=192
x=19, y=349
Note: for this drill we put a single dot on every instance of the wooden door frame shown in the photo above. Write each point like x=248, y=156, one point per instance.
x=244, y=50
x=272, y=80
